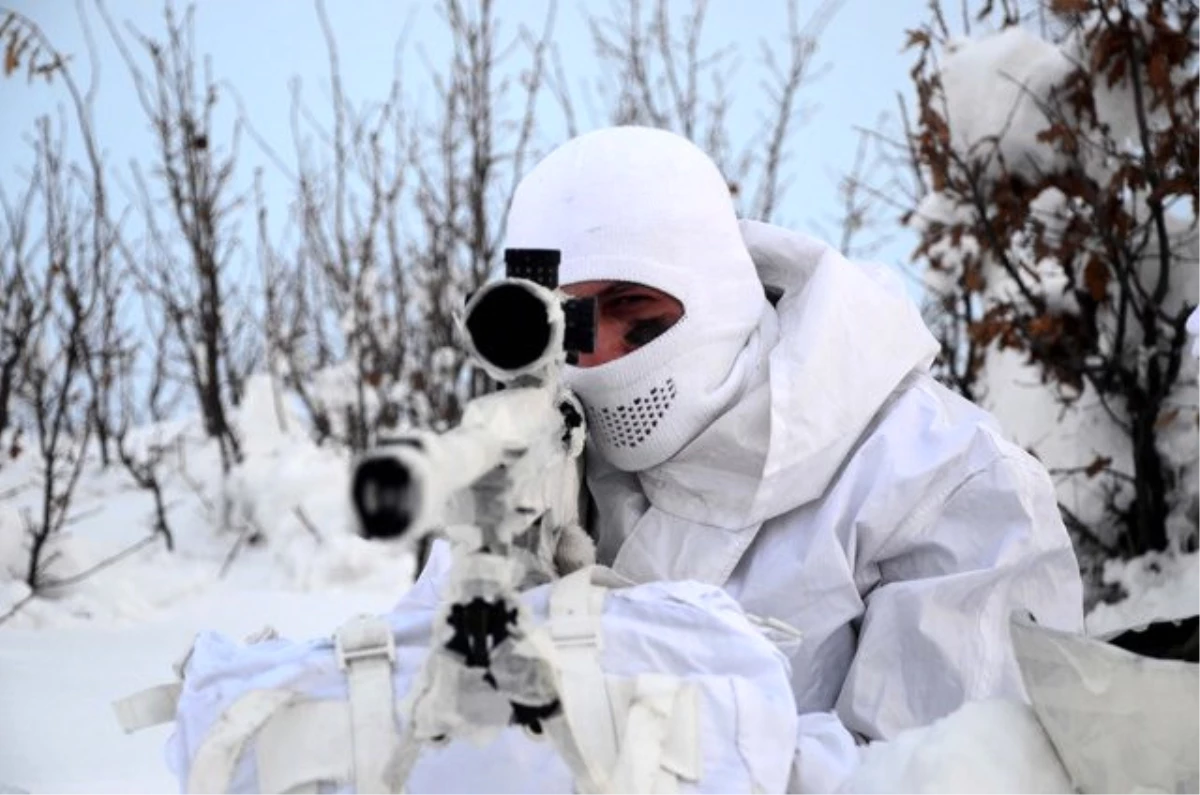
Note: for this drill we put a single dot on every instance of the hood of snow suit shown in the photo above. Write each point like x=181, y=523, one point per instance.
x=844, y=337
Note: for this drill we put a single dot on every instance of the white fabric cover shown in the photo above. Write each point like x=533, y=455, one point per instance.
x=855, y=498
x=1120, y=722
x=684, y=629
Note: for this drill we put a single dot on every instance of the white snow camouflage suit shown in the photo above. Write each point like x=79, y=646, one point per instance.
x=826, y=478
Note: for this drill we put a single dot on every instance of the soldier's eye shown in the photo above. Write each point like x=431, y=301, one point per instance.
x=642, y=332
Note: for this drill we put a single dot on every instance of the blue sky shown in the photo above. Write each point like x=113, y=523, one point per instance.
x=260, y=46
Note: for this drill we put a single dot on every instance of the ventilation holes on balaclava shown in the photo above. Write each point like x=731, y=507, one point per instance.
x=630, y=424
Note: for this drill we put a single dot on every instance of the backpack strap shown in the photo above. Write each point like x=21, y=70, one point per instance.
x=574, y=628
x=148, y=707
x=154, y=705
x=216, y=759
x=660, y=737
x=634, y=735
x=366, y=651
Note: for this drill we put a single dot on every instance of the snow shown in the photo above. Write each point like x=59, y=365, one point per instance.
x=1066, y=439
x=1161, y=587
x=986, y=746
x=992, y=89
x=995, y=88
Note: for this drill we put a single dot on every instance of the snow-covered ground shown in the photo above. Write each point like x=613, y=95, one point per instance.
x=64, y=659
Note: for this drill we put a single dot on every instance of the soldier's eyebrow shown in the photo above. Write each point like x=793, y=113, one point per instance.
x=618, y=288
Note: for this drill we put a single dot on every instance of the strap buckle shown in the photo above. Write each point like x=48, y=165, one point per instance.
x=364, y=638
x=574, y=631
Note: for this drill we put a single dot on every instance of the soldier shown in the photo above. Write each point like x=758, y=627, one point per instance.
x=787, y=443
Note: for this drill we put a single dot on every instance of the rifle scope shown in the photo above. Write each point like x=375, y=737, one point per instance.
x=518, y=325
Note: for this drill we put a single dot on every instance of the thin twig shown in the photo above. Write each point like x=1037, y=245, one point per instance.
x=76, y=578
x=308, y=524
x=198, y=491
x=14, y=491
x=20, y=603
x=249, y=529
x=238, y=543
x=79, y=517
x=1076, y=525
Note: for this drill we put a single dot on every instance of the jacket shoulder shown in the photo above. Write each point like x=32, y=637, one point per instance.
x=927, y=444
x=927, y=427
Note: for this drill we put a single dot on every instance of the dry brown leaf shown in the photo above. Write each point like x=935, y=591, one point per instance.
x=1159, y=73
x=1095, y=277
x=1097, y=466
x=917, y=38
x=1046, y=326
x=1165, y=418
x=1069, y=6
x=11, y=60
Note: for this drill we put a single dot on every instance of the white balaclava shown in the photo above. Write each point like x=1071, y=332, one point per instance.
x=641, y=205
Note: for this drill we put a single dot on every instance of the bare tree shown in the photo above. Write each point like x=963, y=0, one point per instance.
x=468, y=162
x=23, y=310
x=53, y=395
x=57, y=330
x=398, y=219
x=862, y=209
x=61, y=339
x=27, y=45
x=664, y=78
x=335, y=306
x=196, y=175
x=143, y=462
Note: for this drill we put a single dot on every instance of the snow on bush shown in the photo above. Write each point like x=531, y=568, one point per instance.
x=994, y=87
x=1161, y=587
x=985, y=746
x=1057, y=215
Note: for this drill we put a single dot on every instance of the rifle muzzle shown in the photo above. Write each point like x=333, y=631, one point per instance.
x=386, y=492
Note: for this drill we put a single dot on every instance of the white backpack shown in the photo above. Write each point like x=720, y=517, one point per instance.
x=665, y=687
